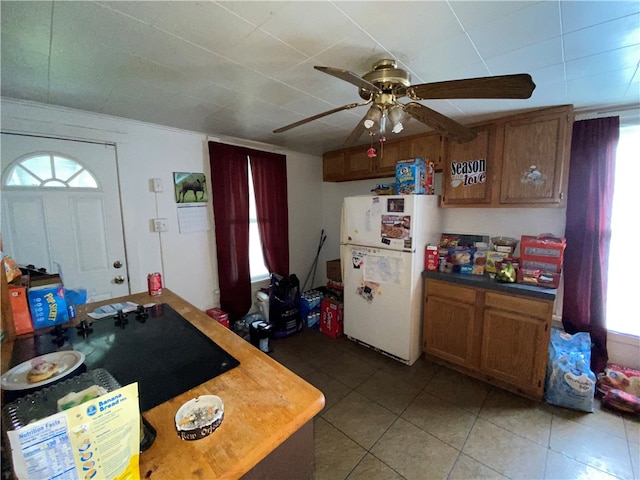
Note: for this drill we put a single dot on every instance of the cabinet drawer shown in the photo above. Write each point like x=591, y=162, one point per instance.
x=534, y=308
x=450, y=290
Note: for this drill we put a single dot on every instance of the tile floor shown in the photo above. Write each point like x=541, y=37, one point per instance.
x=385, y=420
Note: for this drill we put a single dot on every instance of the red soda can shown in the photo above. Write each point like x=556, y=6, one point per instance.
x=154, y=283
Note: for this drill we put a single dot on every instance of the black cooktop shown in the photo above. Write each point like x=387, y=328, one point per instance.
x=155, y=347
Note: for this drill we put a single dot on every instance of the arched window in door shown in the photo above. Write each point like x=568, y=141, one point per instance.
x=48, y=170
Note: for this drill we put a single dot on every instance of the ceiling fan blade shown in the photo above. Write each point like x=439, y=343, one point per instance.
x=502, y=86
x=440, y=123
x=356, y=133
x=350, y=77
x=319, y=115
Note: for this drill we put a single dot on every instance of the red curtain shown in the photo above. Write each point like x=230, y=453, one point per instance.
x=269, y=171
x=588, y=231
x=230, y=192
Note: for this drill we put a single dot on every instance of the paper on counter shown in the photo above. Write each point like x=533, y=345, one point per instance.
x=112, y=309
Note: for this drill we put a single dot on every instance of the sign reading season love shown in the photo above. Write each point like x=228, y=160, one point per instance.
x=469, y=172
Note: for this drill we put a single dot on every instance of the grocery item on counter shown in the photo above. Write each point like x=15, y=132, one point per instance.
x=544, y=251
x=492, y=258
x=73, y=399
x=504, y=244
x=538, y=277
x=506, y=272
x=431, y=258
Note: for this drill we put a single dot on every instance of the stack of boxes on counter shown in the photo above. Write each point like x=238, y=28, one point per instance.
x=541, y=259
x=38, y=299
x=539, y=263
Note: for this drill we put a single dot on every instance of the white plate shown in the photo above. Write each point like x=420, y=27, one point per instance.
x=67, y=361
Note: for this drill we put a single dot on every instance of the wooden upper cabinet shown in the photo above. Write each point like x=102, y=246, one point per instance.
x=516, y=161
x=385, y=161
x=429, y=147
x=468, y=169
x=358, y=164
x=354, y=164
x=535, y=158
x=333, y=166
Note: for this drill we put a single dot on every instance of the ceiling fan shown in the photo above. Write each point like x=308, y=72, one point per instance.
x=386, y=83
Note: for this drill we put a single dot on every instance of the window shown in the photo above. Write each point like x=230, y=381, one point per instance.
x=49, y=171
x=257, y=266
x=621, y=290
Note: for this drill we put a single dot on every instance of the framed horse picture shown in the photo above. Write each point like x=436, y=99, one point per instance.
x=190, y=187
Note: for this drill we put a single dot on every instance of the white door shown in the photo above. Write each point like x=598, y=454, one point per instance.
x=61, y=211
x=382, y=300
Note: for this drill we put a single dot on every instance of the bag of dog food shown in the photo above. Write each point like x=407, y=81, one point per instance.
x=570, y=382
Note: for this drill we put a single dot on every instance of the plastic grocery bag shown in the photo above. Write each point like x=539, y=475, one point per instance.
x=570, y=382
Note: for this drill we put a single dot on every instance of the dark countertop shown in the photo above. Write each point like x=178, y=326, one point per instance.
x=483, y=281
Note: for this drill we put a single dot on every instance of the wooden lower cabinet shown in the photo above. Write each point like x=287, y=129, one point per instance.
x=500, y=338
x=450, y=333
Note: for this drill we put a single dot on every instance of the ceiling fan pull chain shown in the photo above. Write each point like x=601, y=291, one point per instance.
x=372, y=151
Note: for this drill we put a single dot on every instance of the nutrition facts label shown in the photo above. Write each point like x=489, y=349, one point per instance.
x=47, y=450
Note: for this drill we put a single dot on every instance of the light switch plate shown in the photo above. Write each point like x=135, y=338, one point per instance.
x=156, y=184
x=160, y=224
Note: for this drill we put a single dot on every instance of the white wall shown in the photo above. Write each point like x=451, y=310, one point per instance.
x=144, y=151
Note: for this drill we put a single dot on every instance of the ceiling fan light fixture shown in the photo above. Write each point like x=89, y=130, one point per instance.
x=397, y=117
x=373, y=117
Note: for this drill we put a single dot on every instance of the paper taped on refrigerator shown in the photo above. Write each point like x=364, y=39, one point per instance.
x=383, y=269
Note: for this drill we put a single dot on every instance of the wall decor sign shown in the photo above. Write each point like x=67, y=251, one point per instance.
x=468, y=173
x=190, y=187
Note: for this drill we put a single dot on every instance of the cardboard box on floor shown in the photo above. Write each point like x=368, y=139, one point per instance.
x=334, y=271
x=331, y=317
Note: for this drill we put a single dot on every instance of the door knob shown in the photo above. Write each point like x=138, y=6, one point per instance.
x=117, y=264
x=119, y=279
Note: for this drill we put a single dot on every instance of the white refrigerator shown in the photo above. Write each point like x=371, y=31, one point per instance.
x=382, y=250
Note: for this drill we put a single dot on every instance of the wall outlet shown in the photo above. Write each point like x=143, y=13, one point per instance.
x=156, y=184
x=160, y=224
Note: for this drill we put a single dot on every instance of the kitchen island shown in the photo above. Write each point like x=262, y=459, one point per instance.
x=267, y=431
